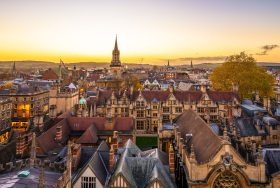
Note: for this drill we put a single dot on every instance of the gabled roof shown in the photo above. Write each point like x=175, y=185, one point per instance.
x=141, y=168
x=89, y=136
x=98, y=163
x=87, y=127
x=191, y=123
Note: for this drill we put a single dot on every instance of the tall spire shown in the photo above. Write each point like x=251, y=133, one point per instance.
x=116, y=55
x=168, y=63
x=116, y=43
x=14, y=70
x=191, y=64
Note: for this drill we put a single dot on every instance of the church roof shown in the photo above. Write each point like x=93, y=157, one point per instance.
x=141, y=168
x=98, y=163
x=191, y=123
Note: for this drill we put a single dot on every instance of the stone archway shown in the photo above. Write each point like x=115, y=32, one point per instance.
x=226, y=179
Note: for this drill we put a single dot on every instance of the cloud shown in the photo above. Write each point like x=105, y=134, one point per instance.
x=203, y=58
x=267, y=48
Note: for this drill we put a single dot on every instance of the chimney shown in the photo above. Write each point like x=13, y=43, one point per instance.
x=131, y=91
x=94, y=109
x=235, y=88
x=111, y=158
x=76, y=155
x=42, y=177
x=113, y=151
x=20, y=145
x=203, y=88
x=58, y=135
x=171, y=88
x=171, y=159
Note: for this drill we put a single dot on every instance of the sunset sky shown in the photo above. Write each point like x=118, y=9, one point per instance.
x=149, y=31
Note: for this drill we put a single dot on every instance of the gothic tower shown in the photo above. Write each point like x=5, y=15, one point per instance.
x=116, y=66
x=116, y=56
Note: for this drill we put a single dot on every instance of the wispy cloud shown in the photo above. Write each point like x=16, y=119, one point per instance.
x=267, y=48
x=200, y=59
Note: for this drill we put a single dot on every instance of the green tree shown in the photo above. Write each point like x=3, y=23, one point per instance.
x=242, y=71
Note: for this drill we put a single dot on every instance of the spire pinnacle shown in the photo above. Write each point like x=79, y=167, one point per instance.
x=116, y=43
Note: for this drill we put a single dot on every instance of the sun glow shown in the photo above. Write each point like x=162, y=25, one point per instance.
x=147, y=31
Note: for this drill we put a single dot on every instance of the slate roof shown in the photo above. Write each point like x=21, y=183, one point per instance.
x=272, y=159
x=31, y=181
x=98, y=163
x=141, y=168
x=246, y=127
x=189, y=122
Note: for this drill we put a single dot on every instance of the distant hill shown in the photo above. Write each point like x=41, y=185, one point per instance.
x=30, y=65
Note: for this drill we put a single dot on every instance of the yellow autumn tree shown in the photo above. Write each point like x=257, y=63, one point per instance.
x=242, y=71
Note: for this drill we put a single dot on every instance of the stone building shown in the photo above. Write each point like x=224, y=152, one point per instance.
x=30, y=105
x=114, y=80
x=5, y=118
x=204, y=159
x=61, y=101
x=155, y=111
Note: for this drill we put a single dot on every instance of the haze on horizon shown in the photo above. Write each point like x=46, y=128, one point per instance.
x=148, y=31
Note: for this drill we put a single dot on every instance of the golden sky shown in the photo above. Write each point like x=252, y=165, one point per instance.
x=148, y=31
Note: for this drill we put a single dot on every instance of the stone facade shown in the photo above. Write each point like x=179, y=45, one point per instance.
x=5, y=118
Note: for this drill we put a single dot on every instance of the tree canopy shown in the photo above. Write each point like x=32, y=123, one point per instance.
x=242, y=71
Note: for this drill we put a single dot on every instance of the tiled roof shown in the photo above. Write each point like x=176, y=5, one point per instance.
x=124, y=123
x=159, y=95
x=89, y=136
x=220, y=96
x=49, y=75
x=188, y=95
x=88, y=127
x=206, y=143
x=162, y=95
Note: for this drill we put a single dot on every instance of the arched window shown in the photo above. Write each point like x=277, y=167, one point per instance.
x=226, y=180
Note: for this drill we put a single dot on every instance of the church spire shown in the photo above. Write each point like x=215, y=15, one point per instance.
x=191, y=64
x=116, y=55
x=14, y=72
x=116, y=44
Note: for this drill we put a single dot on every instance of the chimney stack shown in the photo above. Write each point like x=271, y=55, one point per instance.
x=113, y=150
x=171, y=159
x=203, y=88
x=58, y=135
